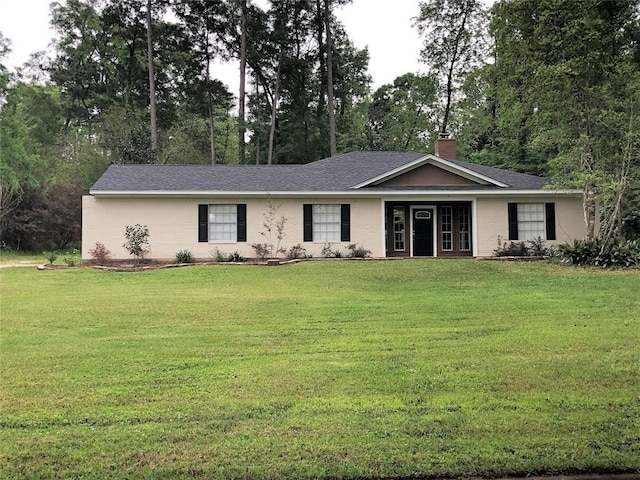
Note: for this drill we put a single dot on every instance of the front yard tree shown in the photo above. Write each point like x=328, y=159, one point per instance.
x=455, y=34
x=401, y=116
x=137, y=243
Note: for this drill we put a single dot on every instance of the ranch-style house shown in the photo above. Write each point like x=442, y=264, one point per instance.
x=395, y=204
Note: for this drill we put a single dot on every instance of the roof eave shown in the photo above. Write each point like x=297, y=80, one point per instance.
x=320, y=193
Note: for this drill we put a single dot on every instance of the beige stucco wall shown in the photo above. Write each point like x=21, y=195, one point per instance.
x=492, y=220
x=173, y=225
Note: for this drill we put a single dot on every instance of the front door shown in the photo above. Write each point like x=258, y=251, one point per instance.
x=423, y=232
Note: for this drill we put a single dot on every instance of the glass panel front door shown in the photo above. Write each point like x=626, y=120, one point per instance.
x=423, y=233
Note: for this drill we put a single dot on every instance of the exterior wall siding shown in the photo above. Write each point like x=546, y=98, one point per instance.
x=173, y=225
x=492, y=220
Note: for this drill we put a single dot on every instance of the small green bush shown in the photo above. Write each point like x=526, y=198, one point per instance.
x=71, y=258
x=137, y=243
x=50, y=257
x=184, y=256
x=236, y=257
x=295, y=252
x=329, y=252
x=219, y=256
x=358, y=252
x=511, y=249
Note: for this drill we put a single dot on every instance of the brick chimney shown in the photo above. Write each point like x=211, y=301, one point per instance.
x=446, y=147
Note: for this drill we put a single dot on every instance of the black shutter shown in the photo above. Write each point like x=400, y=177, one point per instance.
x=242, y=222
x=513, y=221
x=345, y=222
x=550, y=220
x=308, y=222
x=203, y=223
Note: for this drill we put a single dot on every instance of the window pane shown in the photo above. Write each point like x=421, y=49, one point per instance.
x=326, y=223
x=531, y=221
x=446, y=224
x=464, y=220
x=223, y=223
x=398, y=228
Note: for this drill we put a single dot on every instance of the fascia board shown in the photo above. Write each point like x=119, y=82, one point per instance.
x=347, y=193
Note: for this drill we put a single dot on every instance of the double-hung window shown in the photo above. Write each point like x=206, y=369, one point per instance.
x=327, y=222
x=528, y=221
x=225, y=223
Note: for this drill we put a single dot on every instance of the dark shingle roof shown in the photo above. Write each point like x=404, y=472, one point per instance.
x=339, y=173
x=519, y=181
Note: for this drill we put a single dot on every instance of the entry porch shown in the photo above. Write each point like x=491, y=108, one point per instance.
x=428, y=229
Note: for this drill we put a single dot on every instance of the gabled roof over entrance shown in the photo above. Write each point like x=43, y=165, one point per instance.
x=351, y=172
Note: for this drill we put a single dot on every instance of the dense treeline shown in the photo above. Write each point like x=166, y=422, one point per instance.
x=548, y=87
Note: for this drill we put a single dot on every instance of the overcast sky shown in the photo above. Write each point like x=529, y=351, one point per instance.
x=386, y=29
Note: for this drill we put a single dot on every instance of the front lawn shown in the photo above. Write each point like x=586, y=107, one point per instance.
x=333, y=369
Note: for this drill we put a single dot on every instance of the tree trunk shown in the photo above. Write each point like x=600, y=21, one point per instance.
x=212, y=125
x=330, y=102
x=321, y=58
x=257, y=136
x=243, y=68
x=274, y=110
x=589, y=196
x=454, y=60
x=212, y=130
x=152, y=84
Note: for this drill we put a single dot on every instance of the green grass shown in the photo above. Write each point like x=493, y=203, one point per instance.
x=320, y=370
x=7, y=256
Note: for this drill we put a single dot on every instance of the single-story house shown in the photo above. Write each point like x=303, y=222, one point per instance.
x=391, y=203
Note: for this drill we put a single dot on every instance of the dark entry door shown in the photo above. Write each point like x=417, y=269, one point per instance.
x=423, y=232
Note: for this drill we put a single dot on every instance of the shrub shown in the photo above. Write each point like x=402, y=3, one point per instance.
x=329, y=252
x=137, y=243
x=100, y=253
x=50, y=257
x=273, y=224
x=532, y=248
x=358, y=252
x=599, y=254
x=219, y=256
x=184, y=256
x=537, y=248
x=296, y=251
x=236, y=257
x=71, y=258
x=511, y=249
x=262, y=250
